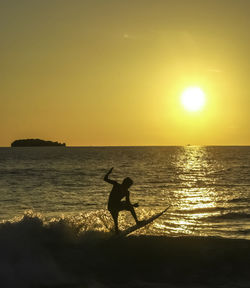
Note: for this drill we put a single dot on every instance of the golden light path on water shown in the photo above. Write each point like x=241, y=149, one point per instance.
x=193, y=201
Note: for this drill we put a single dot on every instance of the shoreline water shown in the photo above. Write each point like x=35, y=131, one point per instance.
x=58, y=255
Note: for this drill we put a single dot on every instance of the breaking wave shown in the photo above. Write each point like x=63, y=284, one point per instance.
x=80, y=252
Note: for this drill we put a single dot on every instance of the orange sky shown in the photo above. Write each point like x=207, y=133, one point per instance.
x=112, y=72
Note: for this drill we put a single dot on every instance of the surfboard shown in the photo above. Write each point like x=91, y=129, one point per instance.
x=143, y=224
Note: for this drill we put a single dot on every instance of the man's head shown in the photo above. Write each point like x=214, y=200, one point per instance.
x=127, y=182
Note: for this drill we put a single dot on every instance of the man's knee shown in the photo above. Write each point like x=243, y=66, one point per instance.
x=130, y=208
x=114, y=213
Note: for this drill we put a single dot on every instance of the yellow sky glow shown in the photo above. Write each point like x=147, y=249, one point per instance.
x=112, y=72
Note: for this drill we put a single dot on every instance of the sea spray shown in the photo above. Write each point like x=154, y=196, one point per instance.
x=38, y=252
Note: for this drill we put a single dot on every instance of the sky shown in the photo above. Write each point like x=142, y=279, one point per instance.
x=111, y=72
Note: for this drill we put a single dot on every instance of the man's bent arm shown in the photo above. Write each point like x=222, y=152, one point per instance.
x=106, y=179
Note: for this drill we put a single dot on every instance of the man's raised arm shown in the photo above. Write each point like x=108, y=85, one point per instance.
x=106, y=177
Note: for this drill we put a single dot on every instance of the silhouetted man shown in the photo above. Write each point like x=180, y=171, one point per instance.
x=115, y=203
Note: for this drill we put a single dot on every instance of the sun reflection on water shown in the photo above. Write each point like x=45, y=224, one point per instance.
x=195, y=199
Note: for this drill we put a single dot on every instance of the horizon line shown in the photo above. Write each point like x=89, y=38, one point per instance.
x=172, y=145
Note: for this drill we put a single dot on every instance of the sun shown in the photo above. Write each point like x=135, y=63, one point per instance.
x=193, y=99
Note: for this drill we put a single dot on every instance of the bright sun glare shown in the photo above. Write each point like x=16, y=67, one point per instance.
x=193, y=99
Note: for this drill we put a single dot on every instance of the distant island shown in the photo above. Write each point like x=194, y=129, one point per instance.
x=34, y=143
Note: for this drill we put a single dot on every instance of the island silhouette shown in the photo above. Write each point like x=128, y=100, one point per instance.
x=34, y=143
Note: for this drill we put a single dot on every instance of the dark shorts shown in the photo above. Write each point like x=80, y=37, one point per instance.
x=122, y=205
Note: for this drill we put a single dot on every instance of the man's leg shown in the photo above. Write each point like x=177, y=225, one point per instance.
x=132, y=210
x=114, y=215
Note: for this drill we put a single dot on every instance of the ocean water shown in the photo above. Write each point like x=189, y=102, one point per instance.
x=55, y=229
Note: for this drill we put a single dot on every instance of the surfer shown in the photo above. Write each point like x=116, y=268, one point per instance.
x=115, y=203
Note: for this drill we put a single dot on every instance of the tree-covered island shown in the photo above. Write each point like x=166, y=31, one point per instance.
x=34, y=143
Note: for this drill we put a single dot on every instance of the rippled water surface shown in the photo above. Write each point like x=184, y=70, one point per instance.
x=208, y=187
